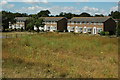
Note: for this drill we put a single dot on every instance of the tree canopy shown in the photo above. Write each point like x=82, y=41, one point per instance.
x=43, y=13
x=34, y=21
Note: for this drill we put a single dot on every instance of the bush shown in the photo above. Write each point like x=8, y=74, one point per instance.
x=18, y=29
x=8, y=30
x=107, y=33
x=102, y=33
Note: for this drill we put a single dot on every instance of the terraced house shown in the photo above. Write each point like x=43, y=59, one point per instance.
x=55, y=24
x=92, y=25
x=20, y=23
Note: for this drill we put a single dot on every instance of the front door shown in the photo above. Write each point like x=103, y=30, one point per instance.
x=94, y=30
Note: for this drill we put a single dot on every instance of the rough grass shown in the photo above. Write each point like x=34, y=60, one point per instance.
x=53, y=55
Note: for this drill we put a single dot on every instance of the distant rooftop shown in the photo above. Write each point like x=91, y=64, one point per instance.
x=52, y=18
x=89, y=19
x=21, y=18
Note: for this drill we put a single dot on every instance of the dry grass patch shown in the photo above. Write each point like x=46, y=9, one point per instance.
x=60, y=55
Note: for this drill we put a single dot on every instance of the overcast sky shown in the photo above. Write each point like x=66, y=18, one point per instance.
x=56, y=6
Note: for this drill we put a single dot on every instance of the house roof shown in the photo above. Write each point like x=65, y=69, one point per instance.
x=21, y=18
x=52, y=18
x=89, y=19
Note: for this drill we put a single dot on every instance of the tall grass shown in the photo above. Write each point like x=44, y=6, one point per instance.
x=60, y=55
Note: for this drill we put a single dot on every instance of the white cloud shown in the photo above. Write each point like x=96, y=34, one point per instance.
x=93, y=10
x=32, y=9
x=55, y=10
x=3, y=2
x=6, y=5
x=114, y=8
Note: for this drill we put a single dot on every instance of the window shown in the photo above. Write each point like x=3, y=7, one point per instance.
x=87, y=22
x=47, y=22
x=85, y=30
x=72, y=23
x=81, y=29
x=76, y=22
x=91, y=23
x=73, y=28
x=94, y=23
x=69, y=22
x=89, y=29
x=99, y=30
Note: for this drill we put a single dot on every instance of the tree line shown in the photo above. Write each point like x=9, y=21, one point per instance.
x=10, y=17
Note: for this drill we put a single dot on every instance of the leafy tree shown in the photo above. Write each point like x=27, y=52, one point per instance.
x=39, y=23
x=34, y=21
x=6, y=18
x=20, y=14
x=85, y=15
x=30, y=24
x=43, y=13
x=115, y=15
x=10, y=17
x=67, y=15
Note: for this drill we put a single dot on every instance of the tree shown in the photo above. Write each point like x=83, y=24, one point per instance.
x=6, y=18
x=39, y=23
x=34, y=21
x=67, y=15
x=85, y=15
x=43, y=13
x=30, y=24
x=115, y=15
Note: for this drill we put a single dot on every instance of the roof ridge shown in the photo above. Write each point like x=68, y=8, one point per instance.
x=93, y=17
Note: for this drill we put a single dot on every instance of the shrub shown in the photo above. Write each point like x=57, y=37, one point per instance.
x=18, y=29
x=107, y=33
x=102, y=33
x=22, y=29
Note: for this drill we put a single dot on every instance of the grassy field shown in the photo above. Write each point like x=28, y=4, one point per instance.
x=53, y=55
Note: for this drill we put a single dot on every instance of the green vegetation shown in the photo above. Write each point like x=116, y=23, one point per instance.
x=34, y=21
x=49, y=55
x=104, y=33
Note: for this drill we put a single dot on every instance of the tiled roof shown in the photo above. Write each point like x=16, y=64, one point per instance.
x=21, y=18
x=52, y=18
x=89, y=19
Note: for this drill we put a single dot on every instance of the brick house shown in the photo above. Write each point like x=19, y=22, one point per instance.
x=20, y=23
x=92, y=25
x=55, y=24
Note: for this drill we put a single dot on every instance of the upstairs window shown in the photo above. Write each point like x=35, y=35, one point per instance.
x=94, y=23
x=84, y=22
x=80, y=23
